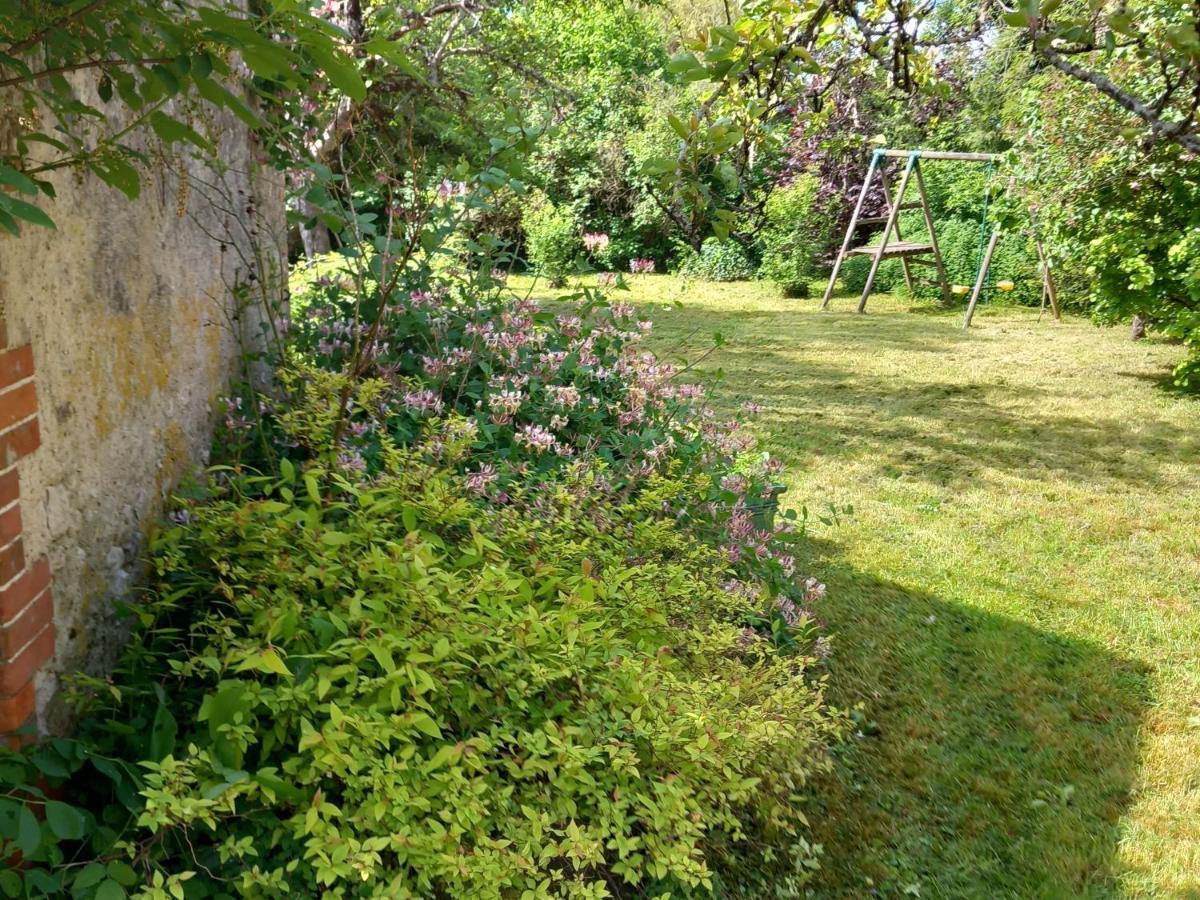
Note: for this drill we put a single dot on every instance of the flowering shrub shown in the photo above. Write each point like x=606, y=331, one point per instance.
x=503, y=619
x=388, y=689
x=538, y=387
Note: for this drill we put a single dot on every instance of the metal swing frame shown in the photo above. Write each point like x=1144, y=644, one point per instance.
x=909, y=252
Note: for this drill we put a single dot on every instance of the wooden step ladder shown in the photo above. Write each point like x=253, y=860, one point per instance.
x=908, y=252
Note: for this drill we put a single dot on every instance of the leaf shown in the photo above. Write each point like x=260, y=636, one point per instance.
x=270, y=661
x=682, y=62
x=122, y=873
x=341, y=72
x=22, y=209
x=423, y=723
x=1017, y=18
x=117, y=173
x=110, y=890
x=441, y=649
x=172, y=131
x=29, y=833
x=678, y=126
x=162, y=733
x=220, y=96
x=443, y=756
x=93, y=873
x=67, y=822
x=19, y=180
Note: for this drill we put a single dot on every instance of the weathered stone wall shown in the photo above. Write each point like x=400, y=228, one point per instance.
x=134, y=329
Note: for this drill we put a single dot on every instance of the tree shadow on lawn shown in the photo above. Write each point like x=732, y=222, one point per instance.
x=944, y=432
x=991, y=760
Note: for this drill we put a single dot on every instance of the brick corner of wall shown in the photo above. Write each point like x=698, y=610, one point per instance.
x=26, y=599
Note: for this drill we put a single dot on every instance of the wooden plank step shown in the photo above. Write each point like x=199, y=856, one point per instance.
x=895, y=248
x=924, y=262
x=882, y=220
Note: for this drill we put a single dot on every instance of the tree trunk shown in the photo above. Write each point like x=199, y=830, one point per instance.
x=315, y=239
x=1137, y=330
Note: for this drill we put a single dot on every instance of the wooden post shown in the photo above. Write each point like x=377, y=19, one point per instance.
x=937, y=253
x=862, y=197
x=893, y=214
x=1048, y=285
x=887, y=190
x=979, y=279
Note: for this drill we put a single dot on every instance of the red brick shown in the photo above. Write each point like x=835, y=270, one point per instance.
x=10, y=488
x=16, y=709
x=12, y=561
x=10, y=525
x=18, y=404
x=16, y=634
x=18, y=442
x=15, y=672
x=16, y=596
x=15, y=365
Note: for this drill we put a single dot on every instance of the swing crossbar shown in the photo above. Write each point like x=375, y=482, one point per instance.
x=940, y=154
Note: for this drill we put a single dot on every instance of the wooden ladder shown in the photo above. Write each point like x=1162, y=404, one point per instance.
x=907, y=251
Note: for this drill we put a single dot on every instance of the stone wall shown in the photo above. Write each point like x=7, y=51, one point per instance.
x=123, y=331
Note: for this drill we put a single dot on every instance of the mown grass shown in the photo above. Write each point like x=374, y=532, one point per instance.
x=1015, y=600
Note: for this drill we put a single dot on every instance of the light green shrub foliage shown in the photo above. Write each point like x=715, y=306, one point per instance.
x=856, y=268
x=552, y=239
x=793, y=238
x=384, y=689
x=718, y=260
x=1015, y=259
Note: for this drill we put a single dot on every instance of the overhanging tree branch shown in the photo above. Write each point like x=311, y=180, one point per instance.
x=1182, y=133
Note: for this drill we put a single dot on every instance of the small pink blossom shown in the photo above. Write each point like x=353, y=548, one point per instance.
x=595, y=242
x=423, y=401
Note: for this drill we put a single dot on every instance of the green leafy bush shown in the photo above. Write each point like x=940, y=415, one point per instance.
x=386, y=689
x=1015, y=259
x=856, y=268
x=793, y=238
x=551, y=240
x=718, y=260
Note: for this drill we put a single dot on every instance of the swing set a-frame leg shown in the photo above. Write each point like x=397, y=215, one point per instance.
x=893, y=215
x=979, y=279
x=841, y=256
x=927, y=210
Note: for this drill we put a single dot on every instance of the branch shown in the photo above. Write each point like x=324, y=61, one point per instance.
x=88, y=64
x=1180, y=133
x=38, y=36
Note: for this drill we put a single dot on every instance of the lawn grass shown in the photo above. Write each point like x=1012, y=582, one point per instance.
x=1015, y=600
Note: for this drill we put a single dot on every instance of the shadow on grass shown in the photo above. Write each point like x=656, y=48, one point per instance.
x=992, y=760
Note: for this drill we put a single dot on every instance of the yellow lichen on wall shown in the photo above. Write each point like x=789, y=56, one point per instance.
x=130, y=316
